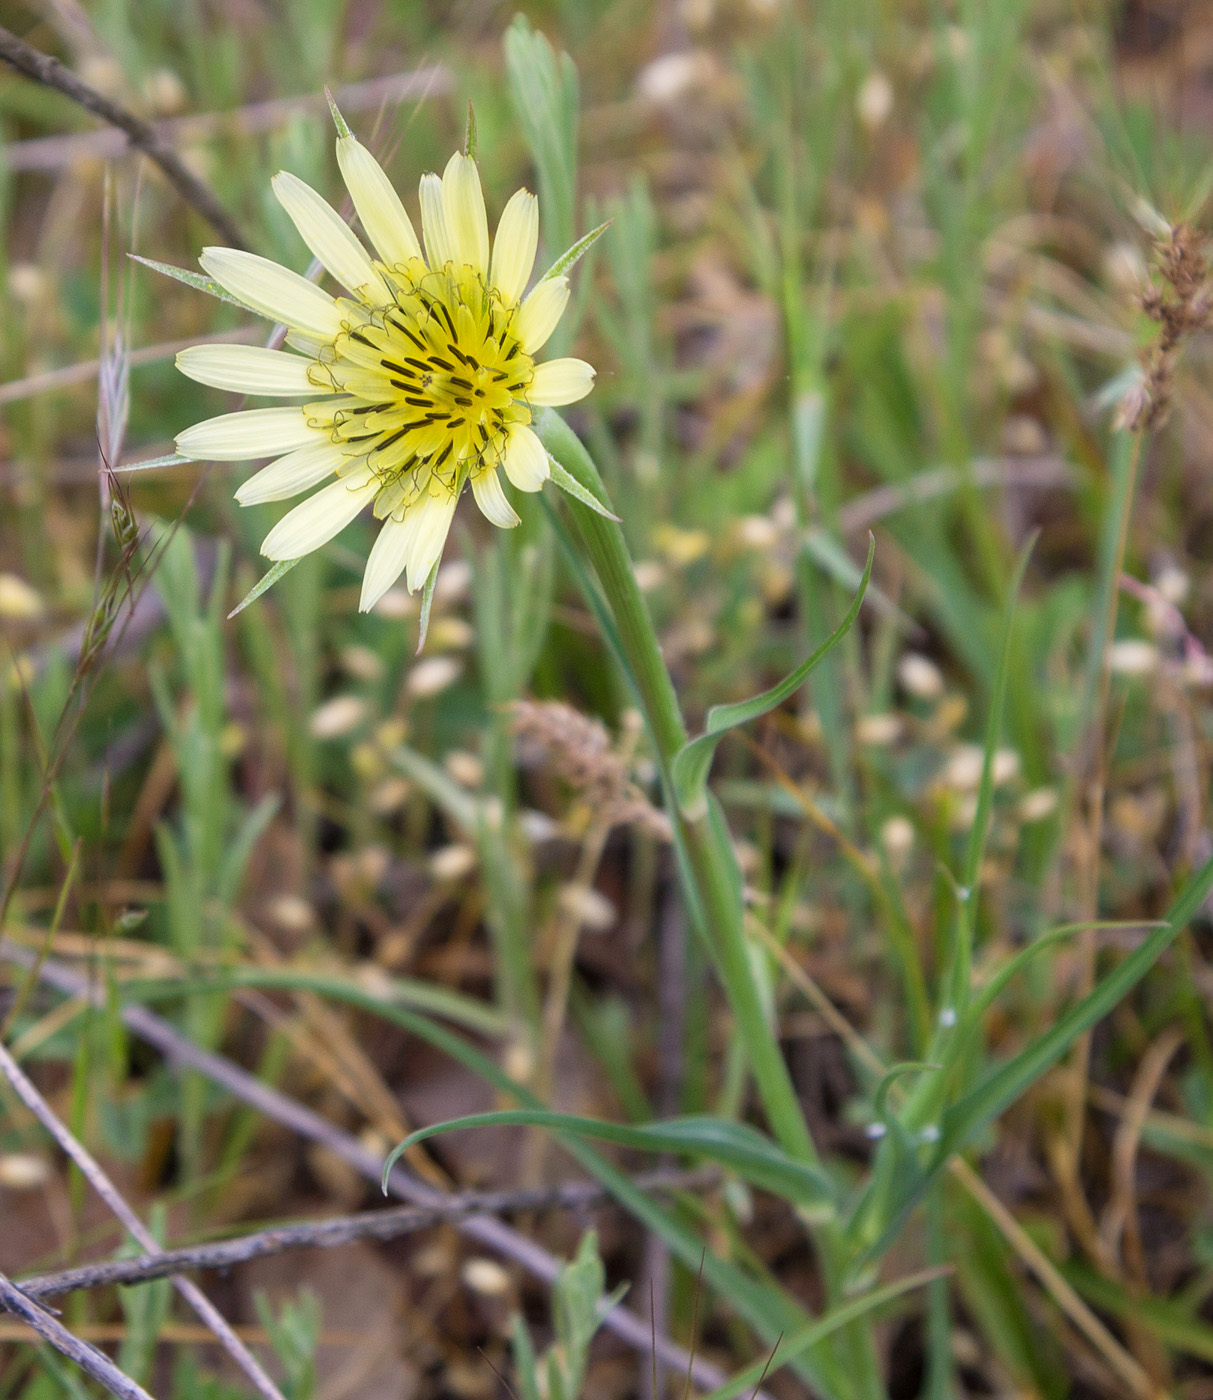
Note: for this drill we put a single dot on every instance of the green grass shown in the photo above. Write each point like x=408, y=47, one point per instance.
x=945, y=906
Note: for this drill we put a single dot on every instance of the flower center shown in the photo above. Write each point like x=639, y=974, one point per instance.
x=435, y=381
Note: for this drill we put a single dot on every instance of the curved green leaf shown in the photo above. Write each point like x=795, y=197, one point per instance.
x=734, y=1145
x=693, y=761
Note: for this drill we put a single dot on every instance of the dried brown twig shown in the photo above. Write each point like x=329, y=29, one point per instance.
x=53, y=152
x=93, y=1362
x=345, y=1229
x=28, y=1093
x=141, y=134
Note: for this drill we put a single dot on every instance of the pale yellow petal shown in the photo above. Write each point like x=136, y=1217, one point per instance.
x=328, y=236
x=246, y=369
x=298, y=471
x=514, y=246
x=312, y=346
x=433, y=222
x=273, y=291
x=236, y=437
x=383, y=215
x=385, y=563
x=525, y=460
x=560, y=381
x=486, y=488
x=467, y=224
x=322, y=516
x=429, y=521
x=540, y=312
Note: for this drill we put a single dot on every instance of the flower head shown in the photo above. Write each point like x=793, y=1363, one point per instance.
x=422, y=378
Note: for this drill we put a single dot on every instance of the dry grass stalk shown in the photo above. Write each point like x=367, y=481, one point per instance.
x=1182, y=306
x=580, y=750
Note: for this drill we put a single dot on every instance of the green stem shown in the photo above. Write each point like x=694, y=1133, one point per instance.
x=711, y=878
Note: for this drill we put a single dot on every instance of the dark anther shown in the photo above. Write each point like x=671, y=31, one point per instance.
x=404, y=330
x=446, y=316
x=395, y=437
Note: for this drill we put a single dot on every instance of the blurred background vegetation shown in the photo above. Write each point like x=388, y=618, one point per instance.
x=876, y=265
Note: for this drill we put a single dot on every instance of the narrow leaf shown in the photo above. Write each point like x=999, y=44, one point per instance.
x=343, y=130
x=568, y=482
x=283, y=566
x=172, y=459
x=734, y=1145
x=792, y=1346
x=453, y=800
x=1005, y=1085
x=381, y=995
x=693, y=762
x=1179, y=1326
x=470, y=143
x=834, y=561
x=979, y=830
x=427, y=602
x=576, y=252
x=197, y=280
x=990, y=992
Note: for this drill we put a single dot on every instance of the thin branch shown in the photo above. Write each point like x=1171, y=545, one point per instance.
x=93, y=1362
x=345, y=1229
x=105, y=1188
x=1042, y=472
x=53, y=152
x=85, y=371
x=141, y=134
x=495, y=1234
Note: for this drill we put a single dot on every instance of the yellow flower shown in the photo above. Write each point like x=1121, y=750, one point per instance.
x=421, y=379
